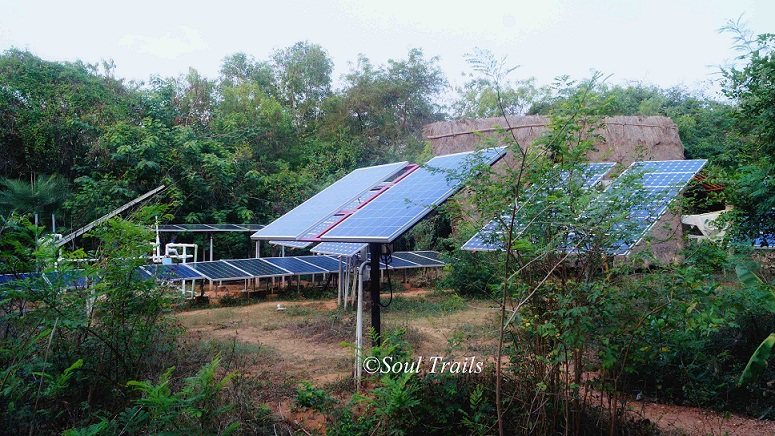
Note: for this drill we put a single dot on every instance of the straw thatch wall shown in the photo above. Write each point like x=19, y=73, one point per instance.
x=625, y=140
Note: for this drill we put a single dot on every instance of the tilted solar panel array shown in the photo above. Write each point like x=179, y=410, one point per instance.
x=397, y=209
x=295, y=223
x=491, y=237
x=653, y=185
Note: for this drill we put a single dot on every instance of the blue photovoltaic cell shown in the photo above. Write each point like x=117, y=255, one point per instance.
x=292, y=244
x=328, y=201
x=347, y=249
x=173, y=272
x=219, y=270
x=327, y=263
x=258, y=267
x=415, y=258
x=408, y=201
x=490, y=238
x=659, y=184
x=294, y=265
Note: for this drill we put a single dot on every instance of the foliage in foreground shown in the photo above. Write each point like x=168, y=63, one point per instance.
x=72, y=355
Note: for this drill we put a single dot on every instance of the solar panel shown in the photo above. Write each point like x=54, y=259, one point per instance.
x=170, y=228
x=327, y=263
x=11, y=278
x=654, y=185
x=195, y=227
x=328, y=201
x=258, y=267
x=219, y=270
x=764, y=241
x=347, y=249
x=397, y=263
x=491, y=237
x=408, y=201
x=292, y=244
x=173, y=272
x=429, y=254
x=294, y=265
x=415, y=258
x=75, y=278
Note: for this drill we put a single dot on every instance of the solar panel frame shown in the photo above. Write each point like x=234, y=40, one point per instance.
x=258, y=267
x=401, y=206
x=218, y=270
x=330, y=200
x=347, y=249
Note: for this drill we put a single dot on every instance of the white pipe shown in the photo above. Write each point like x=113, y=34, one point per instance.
x=339, y=283
x=359, y=330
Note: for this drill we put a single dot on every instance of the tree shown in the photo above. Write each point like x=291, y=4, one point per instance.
x=478, y=99
x=303, y=74
x=43, y=195
x=384, y=108
x=752, y=88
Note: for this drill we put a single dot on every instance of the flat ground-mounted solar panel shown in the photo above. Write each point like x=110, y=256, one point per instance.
x=397, y=263
x=328, y=201
x=347, y=249
x=294, y=265
x=401, y=206
x=429, y=254
x=764, y=241
x=75, y=278
x=324, y=262
x=416, y=258
x=491, y=237
x=16, y=279
x=291, y=244
x=219, y=270
x=258, y=267
x=653, y=185
x=172, y=272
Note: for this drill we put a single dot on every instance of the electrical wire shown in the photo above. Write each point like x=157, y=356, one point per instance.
x=387, y=259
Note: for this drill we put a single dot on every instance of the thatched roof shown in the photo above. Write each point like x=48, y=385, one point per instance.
x=625, y=140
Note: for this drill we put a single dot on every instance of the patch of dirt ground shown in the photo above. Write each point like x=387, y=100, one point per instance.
x=305, y=340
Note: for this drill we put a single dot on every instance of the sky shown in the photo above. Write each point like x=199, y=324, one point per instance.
x=660, y=42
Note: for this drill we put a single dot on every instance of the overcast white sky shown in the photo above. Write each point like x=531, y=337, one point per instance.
x=664, y=42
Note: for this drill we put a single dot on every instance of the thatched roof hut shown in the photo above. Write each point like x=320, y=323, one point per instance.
x=624, y=140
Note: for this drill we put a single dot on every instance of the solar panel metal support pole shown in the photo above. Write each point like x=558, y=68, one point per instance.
x=376, y=251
